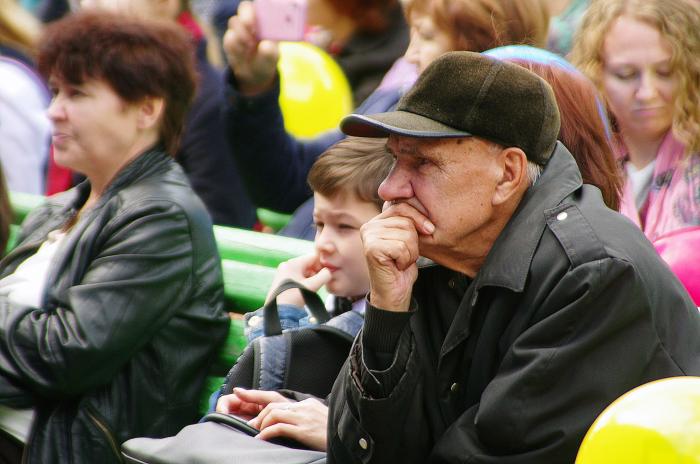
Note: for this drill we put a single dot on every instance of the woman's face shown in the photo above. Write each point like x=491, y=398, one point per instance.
x=94, y=130
x=427, y=41
x=638, y=80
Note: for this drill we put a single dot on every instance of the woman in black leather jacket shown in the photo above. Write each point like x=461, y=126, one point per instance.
x=111, y=305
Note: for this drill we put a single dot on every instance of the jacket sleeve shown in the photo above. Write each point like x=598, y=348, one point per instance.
x=273, y=163
x=137, y=280
x=593, y=338
x=204, y=156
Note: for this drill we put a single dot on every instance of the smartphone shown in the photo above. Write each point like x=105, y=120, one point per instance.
x=281, y=19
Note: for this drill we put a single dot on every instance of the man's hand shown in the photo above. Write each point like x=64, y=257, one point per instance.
x=304, y=421
x=390, y=242
x=253, y=62
x=306, y=270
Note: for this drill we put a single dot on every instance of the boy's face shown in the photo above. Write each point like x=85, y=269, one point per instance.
x=338, y=220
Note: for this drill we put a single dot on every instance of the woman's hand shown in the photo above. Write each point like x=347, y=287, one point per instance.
x=253, y=62
x=305, y=269
x=248, y=403
x=304, y=421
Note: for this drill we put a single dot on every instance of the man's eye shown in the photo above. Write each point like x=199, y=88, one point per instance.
x=346, y=226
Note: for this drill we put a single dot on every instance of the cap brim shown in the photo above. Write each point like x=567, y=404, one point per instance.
x=397, y=122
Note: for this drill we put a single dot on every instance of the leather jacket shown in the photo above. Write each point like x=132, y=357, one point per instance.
x=131, y=317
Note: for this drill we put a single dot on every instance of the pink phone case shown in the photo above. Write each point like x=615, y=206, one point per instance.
x=281, y=19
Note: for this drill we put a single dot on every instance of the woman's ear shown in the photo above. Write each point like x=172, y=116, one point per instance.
x=513, y=180
x=150, y=112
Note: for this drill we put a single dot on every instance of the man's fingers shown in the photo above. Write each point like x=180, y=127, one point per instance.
x=421, y=222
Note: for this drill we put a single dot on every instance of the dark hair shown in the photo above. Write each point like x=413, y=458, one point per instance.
x=355, y=164
x=478, y=25
x=583, y=129
x=369, y=15
x=137, y=58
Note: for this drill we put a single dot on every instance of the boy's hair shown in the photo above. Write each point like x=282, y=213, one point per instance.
x=355, y=164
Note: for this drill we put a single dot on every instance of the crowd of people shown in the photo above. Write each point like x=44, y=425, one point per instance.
x=512, y=207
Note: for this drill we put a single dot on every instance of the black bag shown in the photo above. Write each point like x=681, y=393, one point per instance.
x=217, y=440
x=306, y=360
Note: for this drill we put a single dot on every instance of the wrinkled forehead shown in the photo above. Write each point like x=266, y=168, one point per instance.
x=424, y=145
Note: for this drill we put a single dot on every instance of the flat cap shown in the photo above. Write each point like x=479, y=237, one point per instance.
x=464, y=94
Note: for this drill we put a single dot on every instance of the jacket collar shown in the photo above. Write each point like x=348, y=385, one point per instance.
x=508, y=263
x=141, y=167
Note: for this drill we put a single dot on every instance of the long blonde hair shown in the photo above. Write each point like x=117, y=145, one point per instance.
x=678, y=21
x=18, y=28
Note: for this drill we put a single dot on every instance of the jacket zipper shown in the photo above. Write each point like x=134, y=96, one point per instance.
x=100, y=425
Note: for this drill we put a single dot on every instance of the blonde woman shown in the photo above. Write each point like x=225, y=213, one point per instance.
x=642, y=54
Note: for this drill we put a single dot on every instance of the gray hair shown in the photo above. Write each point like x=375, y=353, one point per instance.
x=534, y=171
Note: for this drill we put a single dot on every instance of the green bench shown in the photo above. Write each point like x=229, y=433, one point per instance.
x=248, y=260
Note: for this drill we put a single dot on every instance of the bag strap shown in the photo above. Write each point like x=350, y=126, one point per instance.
x=271, y=317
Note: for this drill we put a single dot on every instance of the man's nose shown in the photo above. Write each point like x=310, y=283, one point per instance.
x=397, y=185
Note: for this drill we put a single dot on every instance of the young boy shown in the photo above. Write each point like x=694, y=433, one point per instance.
x=345, y=180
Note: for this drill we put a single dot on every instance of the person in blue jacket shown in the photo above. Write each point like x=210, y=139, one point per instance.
x=273, y=163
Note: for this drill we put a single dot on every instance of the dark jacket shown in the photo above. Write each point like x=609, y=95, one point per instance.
x=571, y=309
x=273, y=163
x=204, y=153
x=367, y=56
x=131, y=318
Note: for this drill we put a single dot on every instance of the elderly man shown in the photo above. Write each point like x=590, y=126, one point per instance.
x=540, y=307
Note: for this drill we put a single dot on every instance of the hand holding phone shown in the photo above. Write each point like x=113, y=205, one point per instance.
x=280, y=19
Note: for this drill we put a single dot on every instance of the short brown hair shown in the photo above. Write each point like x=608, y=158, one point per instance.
x=137, y=58
x=479, y=25
x=355, y=164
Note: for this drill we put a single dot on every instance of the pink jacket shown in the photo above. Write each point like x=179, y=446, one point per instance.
x=674, y=196
x=672, y=220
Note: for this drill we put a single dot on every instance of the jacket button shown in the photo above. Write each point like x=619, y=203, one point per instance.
x=451, y=283
x=312, y=320
x=561, y=216
x=454, y=388
x=363, y=443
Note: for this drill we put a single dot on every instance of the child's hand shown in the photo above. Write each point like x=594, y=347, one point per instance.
x=305, y=269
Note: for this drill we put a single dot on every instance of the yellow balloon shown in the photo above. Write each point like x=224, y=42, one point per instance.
x=314, y=92
x=658, y=422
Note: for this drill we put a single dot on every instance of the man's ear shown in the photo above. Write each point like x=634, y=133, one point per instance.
x=513, y=180
x=150, y=111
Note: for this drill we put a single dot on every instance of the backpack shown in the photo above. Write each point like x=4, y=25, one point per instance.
x=306, y=360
